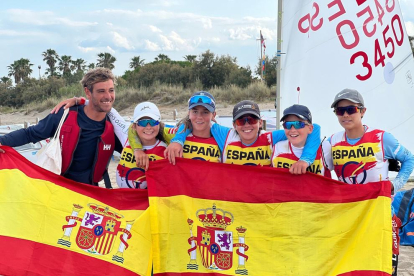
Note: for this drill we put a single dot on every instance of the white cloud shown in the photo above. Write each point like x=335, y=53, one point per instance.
x=259, y=20
x=110, y=49
x=165, y=3
x=239, y=34
x=154, y=29
x=251, y=32
x=86, y=49
x=18, y=33
x=410, y=28
x=167, y=44
x=109, y=24
x=151, y=46
x=44, y=18
x=121, y=41
x=207, y=24
x=115, y=12
x=177, y=38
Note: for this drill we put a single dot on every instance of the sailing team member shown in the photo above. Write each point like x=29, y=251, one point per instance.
x=297, y=123
x=89, y=136
x=148, y=127
x=359, y=154
x=200, y=144
x=247, y=143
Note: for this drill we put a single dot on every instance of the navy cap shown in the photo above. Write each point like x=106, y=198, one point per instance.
x=202, y=98
x=298, y=110
x=245, y=107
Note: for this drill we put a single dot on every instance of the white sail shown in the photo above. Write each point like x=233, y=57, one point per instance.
x=325, y=44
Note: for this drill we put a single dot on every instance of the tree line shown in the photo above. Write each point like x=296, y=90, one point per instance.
x=206, y=70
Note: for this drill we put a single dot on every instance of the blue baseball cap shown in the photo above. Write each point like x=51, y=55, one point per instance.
x=202, y=98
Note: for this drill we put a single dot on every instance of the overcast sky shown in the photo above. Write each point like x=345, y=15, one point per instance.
x=128, y=28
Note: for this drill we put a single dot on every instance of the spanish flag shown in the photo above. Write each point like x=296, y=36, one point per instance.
x=50, y=225
x=221, y=219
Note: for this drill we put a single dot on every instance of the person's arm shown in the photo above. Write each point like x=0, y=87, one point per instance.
x=309, y=152
x=394, y=150
x=327, y=154
x=68, y=103
x=120, y=125
x=46, y=128
x=142, y=159
x=220, y=134
x=181, y=135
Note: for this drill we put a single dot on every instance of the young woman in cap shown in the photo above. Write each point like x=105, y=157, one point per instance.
x=360, y=155
x=297, y=123
x=247, y=143
x=148, y=127
x=200, y=144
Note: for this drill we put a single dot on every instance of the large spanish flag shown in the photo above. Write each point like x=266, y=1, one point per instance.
x=214, y=219
x=50, y=225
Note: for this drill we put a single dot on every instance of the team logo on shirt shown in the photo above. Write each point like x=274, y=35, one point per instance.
x=98, y=231
x=215, y=242
x=352, y=163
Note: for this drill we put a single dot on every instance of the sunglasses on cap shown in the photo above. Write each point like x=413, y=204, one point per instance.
x=145, y=122
x=340, y=111
x=201, y=99
x=295, y=124
x=246, y=119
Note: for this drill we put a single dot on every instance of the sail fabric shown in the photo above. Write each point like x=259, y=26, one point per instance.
x=222, y=219
x=330, y=45
x=54, y=226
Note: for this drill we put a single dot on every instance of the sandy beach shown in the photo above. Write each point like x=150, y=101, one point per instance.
x=406, y=261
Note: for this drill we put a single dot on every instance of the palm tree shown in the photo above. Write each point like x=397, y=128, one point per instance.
x=65, y=65
x=6, y=82
x=106, y=60
x=162, y=58
x=91, y=65
x=20, y=69
x=80, y=64
x=51, y=58
x=190, y=58
x=136, y=62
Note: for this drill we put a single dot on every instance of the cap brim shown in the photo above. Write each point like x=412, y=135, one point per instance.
x=298, y=115
x=246, y=112
x=151, y=115
x=209, y=107
x=337, y=101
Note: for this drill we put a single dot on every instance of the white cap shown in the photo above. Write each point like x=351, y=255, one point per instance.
x=146, y=109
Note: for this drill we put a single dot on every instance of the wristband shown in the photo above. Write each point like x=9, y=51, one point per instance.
x=82, y=101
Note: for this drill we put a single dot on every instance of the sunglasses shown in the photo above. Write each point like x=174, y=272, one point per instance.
x=295, y=124
x=145, y=122
x=340, y=111
x=201, y=99
x=247, y=119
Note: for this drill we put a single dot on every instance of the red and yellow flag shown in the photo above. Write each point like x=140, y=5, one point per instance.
x=219, y=219
x=50, y=225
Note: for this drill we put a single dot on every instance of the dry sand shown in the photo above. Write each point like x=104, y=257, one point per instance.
x=406, y=263
x=166, y=113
